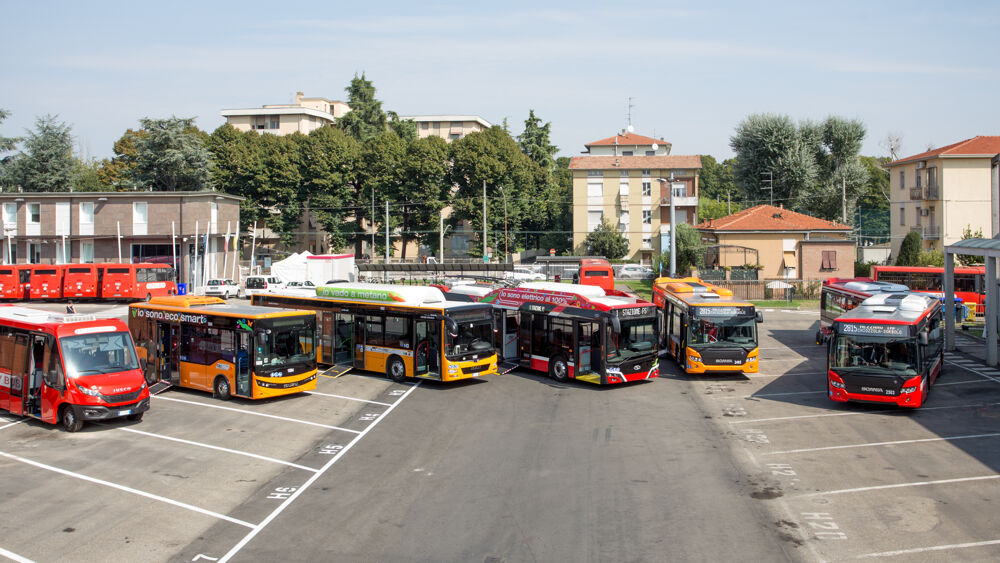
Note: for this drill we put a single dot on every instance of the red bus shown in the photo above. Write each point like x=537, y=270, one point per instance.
x=13, y=281
x=68, y=368
x=888, y=349
x=969, y=282
x=574, y=331
x=135, y=281
x=80, y=281
x=46, y=282
x=839, y=295
x=596, y=271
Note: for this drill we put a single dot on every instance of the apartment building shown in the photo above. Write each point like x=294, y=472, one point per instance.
x=630, y=180
x=941, y=192
x=98, y=227
x=302, y=116
x=448, y=127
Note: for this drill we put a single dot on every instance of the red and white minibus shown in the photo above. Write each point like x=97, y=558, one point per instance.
x=46, y=281
x=80, y=281
x=68, y=368
x=135, y=281
x=13, y=280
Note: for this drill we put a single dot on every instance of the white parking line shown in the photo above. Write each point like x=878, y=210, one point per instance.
x=894, y=443
x=347, y=398
x=14, y=557
x=274, y=416
x=221, y=449
x=259, y=527
x=854, y=413
x=13, y=423
x=128, y=490
x=976, y=371
x=899, y=486
x=931, y=548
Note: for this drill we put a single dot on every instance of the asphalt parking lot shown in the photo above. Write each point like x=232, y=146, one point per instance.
x=866, y=481
x=509, y=461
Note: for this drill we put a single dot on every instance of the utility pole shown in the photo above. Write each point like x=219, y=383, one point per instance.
x=484, y=222
x=770, y=184
x=843, y=197
x=373, y=225
x=441, y=235
x=729, y=203
x=386, y=231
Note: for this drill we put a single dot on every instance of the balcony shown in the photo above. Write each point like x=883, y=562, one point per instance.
x=932, y=232
x=681, y=201
x=623, y=201
x=929, y=192
x=916, y=193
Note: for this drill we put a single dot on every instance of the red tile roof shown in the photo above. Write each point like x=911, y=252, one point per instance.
x=770, y=218
x=634, y=162
x=628, y=139
x=980, y=145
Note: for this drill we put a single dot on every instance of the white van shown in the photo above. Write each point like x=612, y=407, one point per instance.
x=261, y=284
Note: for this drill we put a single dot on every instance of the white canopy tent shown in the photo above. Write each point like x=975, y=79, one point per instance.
x=317, y=268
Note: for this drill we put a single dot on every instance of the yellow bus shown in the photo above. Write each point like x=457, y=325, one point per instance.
x=705, y=328
x=402, y=331
x=230, y=350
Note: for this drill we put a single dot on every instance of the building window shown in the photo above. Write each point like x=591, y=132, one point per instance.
x=62, y=218
x=647, y=243
x=626, y=153
x=275, y=122
x=86, y=252
x=902, y=216
x=623, y=218
x=647, y=188
x=829, y=261
x=917, y=177
x=453, y=137
x=650, y=153
x=213, y=218
x=34, y=220
x=623, y=228
x=10, y=219
x=647, y=217
x=595, y=184
x=594, y=219
x=902, y=179
x=139, y=218
x=623, y=173
x=34, y=253
x=424, y=125
x=86, y=218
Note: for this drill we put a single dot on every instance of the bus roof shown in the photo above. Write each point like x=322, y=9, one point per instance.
x=891, y=308
x=568, y=294
x=930, y=269
x=414, y=295
x=694, y=291
x=588, y=291
x=59, y=323
x=215, y=306
x=865, y=286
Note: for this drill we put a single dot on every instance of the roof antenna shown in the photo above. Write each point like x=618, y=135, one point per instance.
x=628, y=114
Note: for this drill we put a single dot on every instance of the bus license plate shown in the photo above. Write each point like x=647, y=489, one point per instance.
x=125, y=412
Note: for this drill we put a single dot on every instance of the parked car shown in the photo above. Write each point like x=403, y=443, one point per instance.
x=523, y=274
x=305, y=288
x=222, y=288
x=635, y=272
x=262, y=284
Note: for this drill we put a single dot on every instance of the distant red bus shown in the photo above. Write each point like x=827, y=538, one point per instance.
x=80, y=281
x=135, y=281
x=969, y=284
x=13, y=280
x=68, y=368
x=46, y=282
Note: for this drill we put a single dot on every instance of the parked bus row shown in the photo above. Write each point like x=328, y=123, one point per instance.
x=107, y=282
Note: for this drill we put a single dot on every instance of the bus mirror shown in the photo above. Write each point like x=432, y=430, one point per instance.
x=51, y=379
x=922, y=338
x=261, y=338
x=451, y=325
x=616, y=324
x=760, y=317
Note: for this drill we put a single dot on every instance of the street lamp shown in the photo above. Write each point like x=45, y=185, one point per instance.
x=673, y=222
x=506, y=249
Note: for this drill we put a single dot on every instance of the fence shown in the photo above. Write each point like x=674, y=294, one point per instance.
x=758, y=290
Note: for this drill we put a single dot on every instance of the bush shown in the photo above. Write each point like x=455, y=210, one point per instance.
x=909, y=250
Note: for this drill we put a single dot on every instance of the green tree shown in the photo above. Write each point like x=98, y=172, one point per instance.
x=841, y=170
x=366, y=118
x=117, y=172
x=605, y=240
x=909, y=250
x=770, y=146
x=45, y=163
x=423, y=190
x=717, y=179
x=171, y=156
x=931, y=258
x=709, y=208
x=7, y=144
x=966, y=259
x=280, y=181
x=87, y=178
x=329, y=164
x=534, y=142
x=237, y=168
x=558, y=230
x=872, y=215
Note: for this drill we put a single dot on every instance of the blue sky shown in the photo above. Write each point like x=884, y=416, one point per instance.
x=924, y=71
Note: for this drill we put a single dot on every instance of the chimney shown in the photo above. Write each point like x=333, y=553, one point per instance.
x=781, y=205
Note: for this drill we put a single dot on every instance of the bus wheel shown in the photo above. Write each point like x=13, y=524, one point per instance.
x=396, y=370
x=70, y=421
x=558, y=369
x=222, y=389
x=135, y=417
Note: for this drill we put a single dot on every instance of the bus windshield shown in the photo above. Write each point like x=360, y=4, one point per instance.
x=873, y=354
x=637, y=337
x=97, y=353
x=286, y=341
x=722, y=331
x=474, y=333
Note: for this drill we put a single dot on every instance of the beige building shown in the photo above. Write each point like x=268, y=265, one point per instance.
x=448, y=127
x=96, y=227
x=941, y=192
x=789, y=245
x=629, y=180
x=303, y=116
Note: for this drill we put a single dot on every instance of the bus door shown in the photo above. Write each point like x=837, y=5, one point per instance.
x=19, y=374
x=37, y=361
x=588, y=351
x=524, y=339
x=327, y=336
x=168, y=346
x=422, y=351
x=359, y=341
x=243, y=363
x=25, y=279
x=499, y=316
x=343, y=338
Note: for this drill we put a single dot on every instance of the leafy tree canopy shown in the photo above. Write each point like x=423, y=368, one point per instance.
x=534, y=142
x=605, y=240
x=170, y=156
x=909, y=250
x=717, y=179
x=366, y=118
x=713, y=209
x=45, y=163
x=689, y=250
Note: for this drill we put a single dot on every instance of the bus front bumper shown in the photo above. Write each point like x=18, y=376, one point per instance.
x=99, y=412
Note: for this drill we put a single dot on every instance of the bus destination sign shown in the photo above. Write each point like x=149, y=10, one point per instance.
x=723, y=311
x=869, y=329
x=629, y=312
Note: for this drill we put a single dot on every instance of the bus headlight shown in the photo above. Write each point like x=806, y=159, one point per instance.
x=906, y=390
x=93, y=392
x=694, y=358
x=837, y=384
